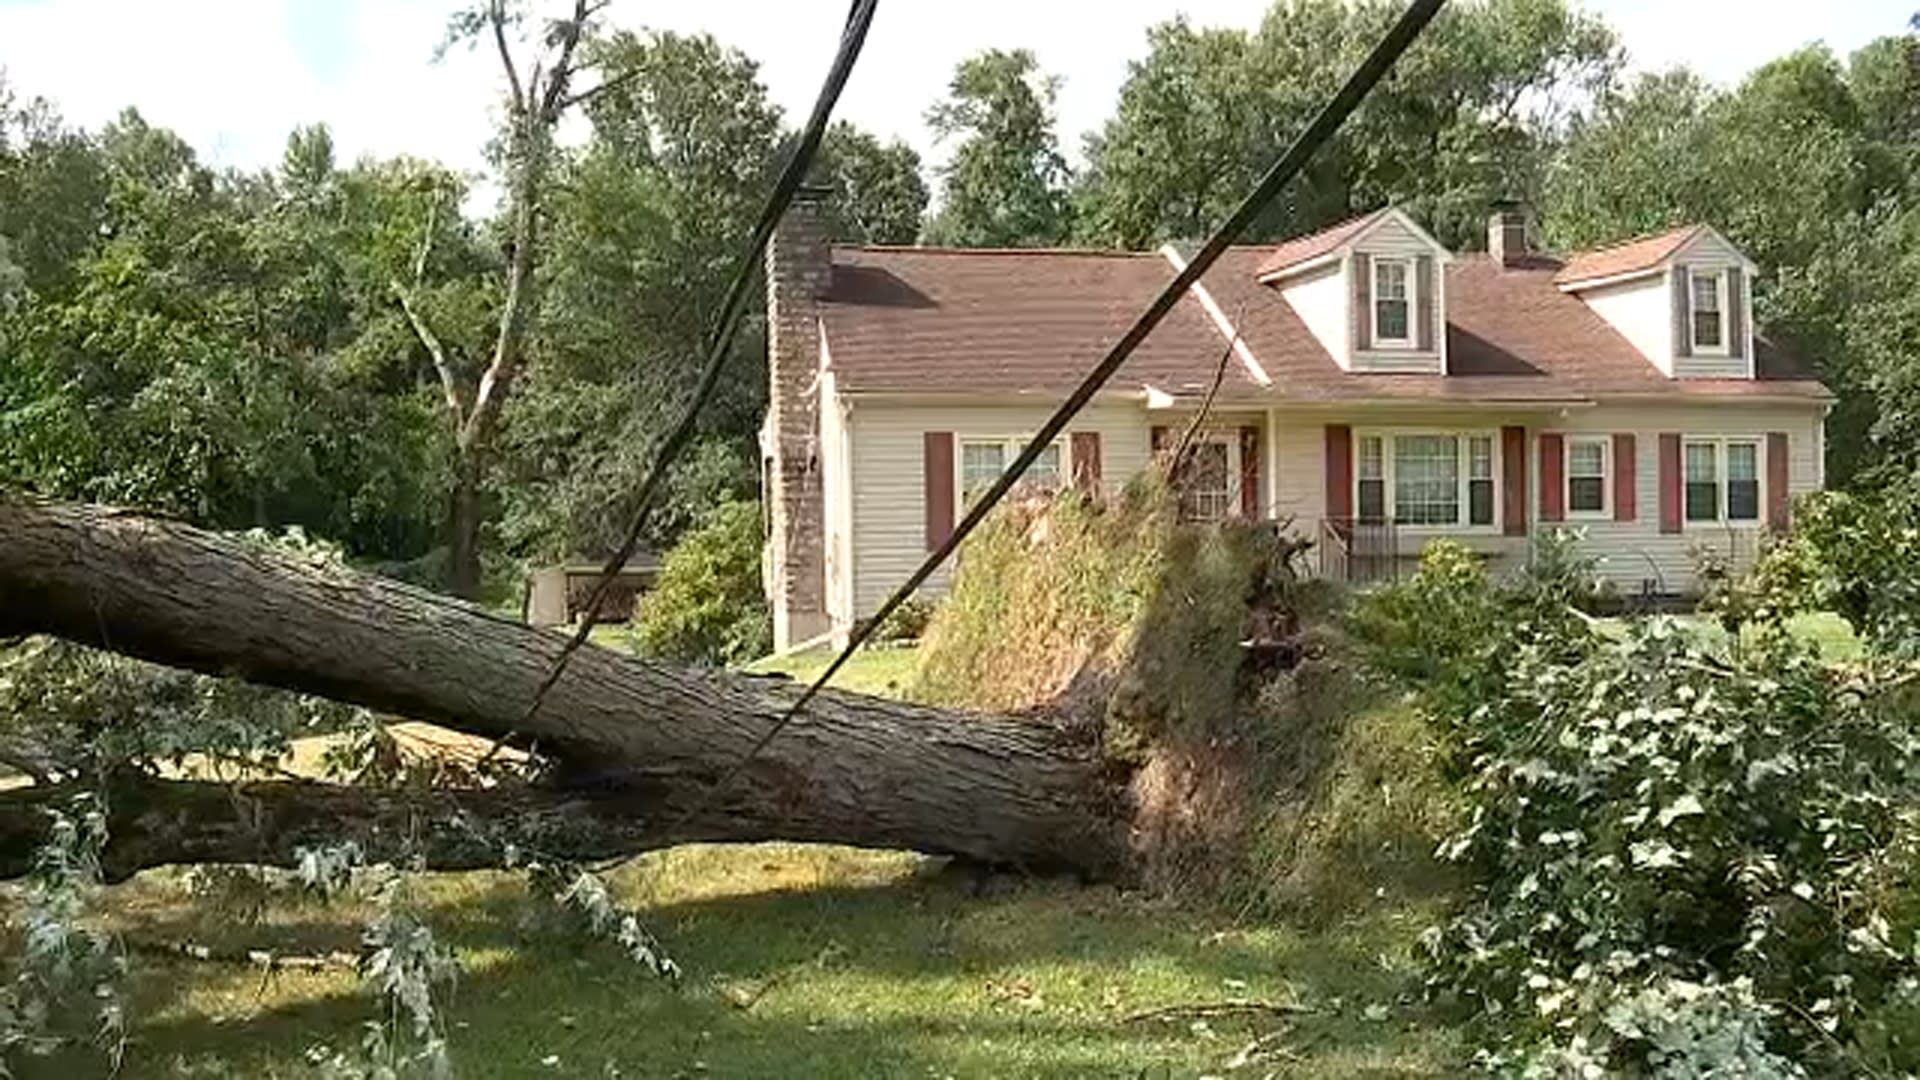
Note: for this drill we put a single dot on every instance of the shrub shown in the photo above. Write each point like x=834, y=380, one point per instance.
x=708, y=605
x=1680, y=861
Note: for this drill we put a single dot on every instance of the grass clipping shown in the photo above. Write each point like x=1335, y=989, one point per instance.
x=1260, y=767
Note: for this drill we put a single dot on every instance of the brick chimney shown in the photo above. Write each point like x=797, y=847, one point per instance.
x=799, y=266
x=1507, y=225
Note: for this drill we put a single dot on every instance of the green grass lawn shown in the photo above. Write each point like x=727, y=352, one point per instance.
x=877, y=669
x=1827, y=632
x=807, y=961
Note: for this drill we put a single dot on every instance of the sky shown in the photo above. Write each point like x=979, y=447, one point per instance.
x=234, y=76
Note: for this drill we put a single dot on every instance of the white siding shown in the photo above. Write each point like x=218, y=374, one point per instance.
x=1709, y=252
x=1297, y=490
x=1635, y=552
x=1642, y=311
x=1392, y=239
x=889, y=505
x=836, y=468
x=1322, y=299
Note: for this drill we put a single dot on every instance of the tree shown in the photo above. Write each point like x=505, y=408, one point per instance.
x=878, y=194
x=537, y=100
x=1471, y=113
x=637, y=745
x=1006, y=183
x=647, y=228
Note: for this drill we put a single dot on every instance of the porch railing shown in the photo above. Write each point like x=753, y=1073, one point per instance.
x=1360, y=551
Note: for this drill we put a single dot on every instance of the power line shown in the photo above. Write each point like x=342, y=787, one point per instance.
x=1362, y=82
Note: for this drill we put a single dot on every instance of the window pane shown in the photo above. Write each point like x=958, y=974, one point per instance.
x=1373, y=500
x=1426, y=479
x=1390, y=280
x=1586, y=458
x=1372, y=458
x=1480, y=457
x=1586, y=494
x=1703, y=501
x=1743, y=500
x=1480, y=502
x=1702, y=463
x=1393, y=320
x=1706, y=310
x=981, y=463
x=1743, y=461
x=1390, y=300
x=1206, y=488
x=1045, y=470
x=1706, y=293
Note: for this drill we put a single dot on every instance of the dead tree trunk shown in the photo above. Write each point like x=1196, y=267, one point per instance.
x=642, y=742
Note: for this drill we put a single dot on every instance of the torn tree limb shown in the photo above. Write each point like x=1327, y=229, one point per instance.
x=853, y=769
x=155, y=822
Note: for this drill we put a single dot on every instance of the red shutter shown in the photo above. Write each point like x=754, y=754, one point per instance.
x=1250, y=473
x=1513, y=466
x=1778, y=504
x=1670, y=482
x=938, y=457
x=1339, y=473
x=1626, y=479
x=1553, y=476
x=1086, y=461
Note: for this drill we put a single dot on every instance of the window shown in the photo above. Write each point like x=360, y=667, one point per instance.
x=981, y=463
x=1703, y=482
x=1743, y=481
x=1480, y=480
x=983, y=460
x=1392, y=302
x=1207, y=484
x=1426, y=479
x=1586, y=476
x=1723, y=480
x=1709, y=311
x=1373, y=479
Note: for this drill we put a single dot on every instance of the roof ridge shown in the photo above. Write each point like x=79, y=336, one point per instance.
x=951, y=249
x=1642, y=238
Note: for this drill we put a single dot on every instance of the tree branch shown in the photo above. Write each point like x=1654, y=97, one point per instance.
x=497, y=15
x=553, y=101
x=591, y=92
x=449, y=379
x=155, y=822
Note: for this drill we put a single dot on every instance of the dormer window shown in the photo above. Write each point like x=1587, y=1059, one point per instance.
x=1393, y=303
x=1708, y=315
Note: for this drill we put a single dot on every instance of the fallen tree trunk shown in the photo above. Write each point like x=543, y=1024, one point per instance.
x=853, y=769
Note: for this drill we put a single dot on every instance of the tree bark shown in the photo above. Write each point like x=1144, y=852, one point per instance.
x=852, y=769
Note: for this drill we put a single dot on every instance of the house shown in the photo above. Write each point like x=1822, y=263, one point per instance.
x=1378, y=391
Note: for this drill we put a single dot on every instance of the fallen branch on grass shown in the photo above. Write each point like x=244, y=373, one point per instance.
x=1209, y=1010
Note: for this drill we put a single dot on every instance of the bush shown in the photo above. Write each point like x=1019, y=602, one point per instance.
x=708, y=605
x=1682, y=861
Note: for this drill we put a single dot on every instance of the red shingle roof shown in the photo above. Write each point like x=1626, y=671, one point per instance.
x=1313, y=245
x=918, y=320
x=1627, y=257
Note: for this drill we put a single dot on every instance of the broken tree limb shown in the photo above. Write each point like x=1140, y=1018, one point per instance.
x=854, y=770
x=156, y=822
